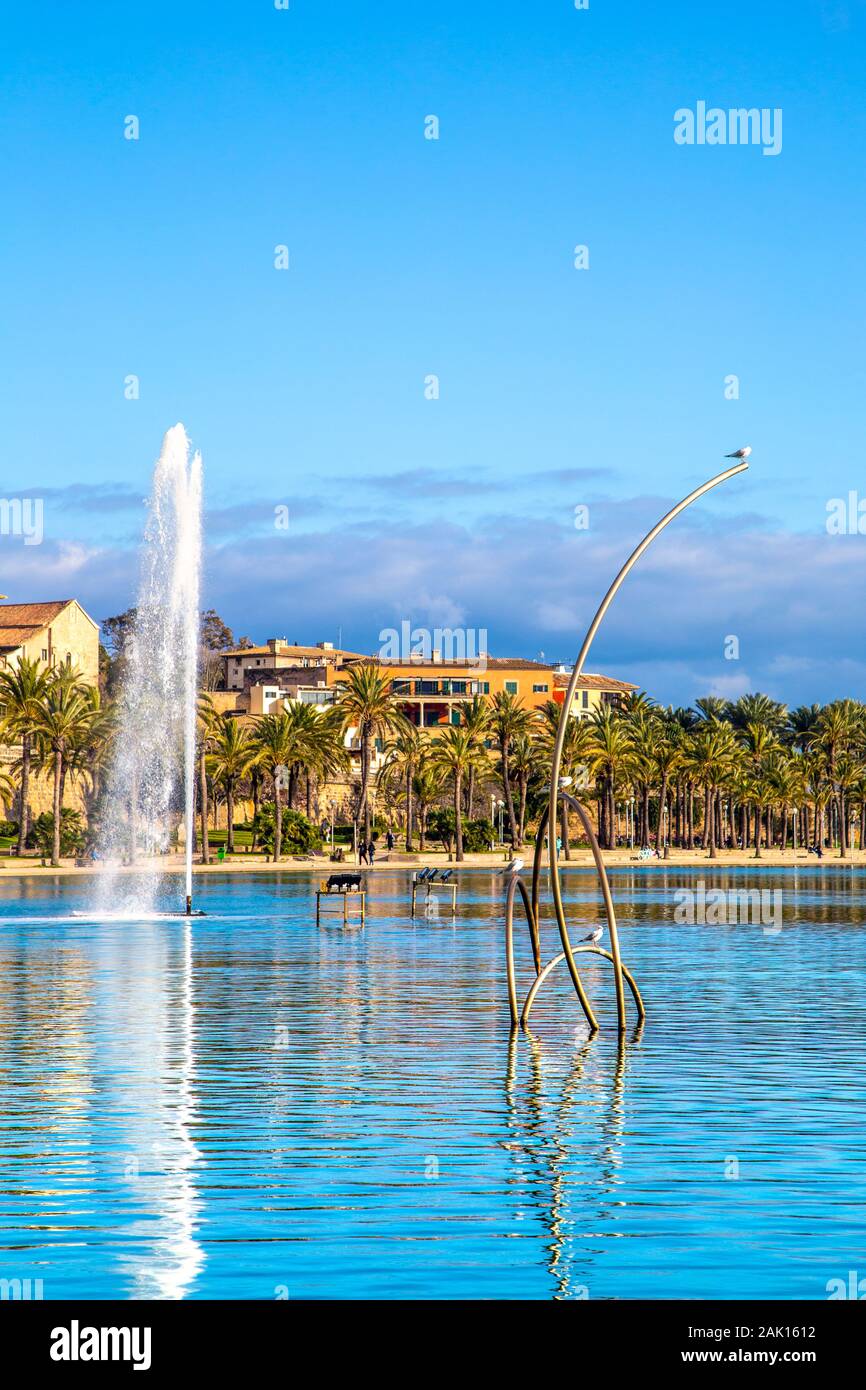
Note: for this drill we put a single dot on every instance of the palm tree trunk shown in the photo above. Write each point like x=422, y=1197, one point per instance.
x=278, y=819
x=662, y=802
x=471, y=793
x=205, y=839
x=364, y=805
x=506, y=787
x=458, y=814
x=843, y=826
x=25, y=788
x=255, y=789
x=521, y=829
x=563, y=831
x=409, y=808
x=709, y=836
x=230, y=814
x=58, y=807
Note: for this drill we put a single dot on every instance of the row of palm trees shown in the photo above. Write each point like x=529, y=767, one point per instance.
x=61, y=727
x=722, y=774
x=748, y=773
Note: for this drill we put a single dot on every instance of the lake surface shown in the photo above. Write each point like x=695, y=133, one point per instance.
x=249, y=1106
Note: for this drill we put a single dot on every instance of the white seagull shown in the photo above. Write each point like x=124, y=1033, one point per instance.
x=741, y=454
x=514, y=867
x=594, y=937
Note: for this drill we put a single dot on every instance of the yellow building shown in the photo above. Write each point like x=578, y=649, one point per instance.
x=58, y=634
x=243, y=664
x=432, y=692
x=592, y=692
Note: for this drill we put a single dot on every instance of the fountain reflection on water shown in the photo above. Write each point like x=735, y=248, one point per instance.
x=151, y=781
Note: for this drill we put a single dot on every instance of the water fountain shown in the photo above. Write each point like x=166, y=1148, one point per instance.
x=152, y=775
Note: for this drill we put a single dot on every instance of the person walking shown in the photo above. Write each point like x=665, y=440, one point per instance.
x=362, y=852
x=371, y=853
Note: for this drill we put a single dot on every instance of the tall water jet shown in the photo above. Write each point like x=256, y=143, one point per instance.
x=152, y=777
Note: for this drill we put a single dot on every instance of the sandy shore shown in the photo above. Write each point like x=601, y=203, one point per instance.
x=400, y=861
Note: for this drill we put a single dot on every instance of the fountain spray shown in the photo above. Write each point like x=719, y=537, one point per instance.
x=155, y=748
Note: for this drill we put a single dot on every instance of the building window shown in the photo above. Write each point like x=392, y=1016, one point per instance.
x=511, y=687
x=585, y=700
x=44, y=653
x=539, y=690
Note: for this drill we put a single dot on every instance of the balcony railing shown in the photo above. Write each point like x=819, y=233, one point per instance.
x=450, y=689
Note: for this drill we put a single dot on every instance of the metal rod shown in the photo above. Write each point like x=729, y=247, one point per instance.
x=556, y=760
x=590, y=950
x=608, y=907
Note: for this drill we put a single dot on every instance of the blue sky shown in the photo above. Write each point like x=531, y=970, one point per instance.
x=453, y=257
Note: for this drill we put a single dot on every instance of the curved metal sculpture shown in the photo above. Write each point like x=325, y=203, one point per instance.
x=549, y=820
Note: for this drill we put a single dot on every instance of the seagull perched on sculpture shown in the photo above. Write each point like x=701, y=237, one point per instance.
x=593, y=938
x=514, y=867
x=741, y=454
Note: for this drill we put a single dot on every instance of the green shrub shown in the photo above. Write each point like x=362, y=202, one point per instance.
x=41, y=835
x=478, y=835
x=299, y=835
x=8, y=829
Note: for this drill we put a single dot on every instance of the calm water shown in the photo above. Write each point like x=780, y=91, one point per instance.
x=256, y=1108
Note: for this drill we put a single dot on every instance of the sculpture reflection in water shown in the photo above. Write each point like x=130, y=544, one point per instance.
x=552, y=1155
x=559, y=796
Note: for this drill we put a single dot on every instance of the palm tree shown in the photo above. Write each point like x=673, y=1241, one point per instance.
x=22, y=692
x=364, y=703
x=92, y=747
x=8, y=788
x=575, y=752
x=524, y=762
x=475, y=717
x=668, y=759
x=508, y=720
x=62, y=719
x=232, y=755
x=426, y=786
x=712, y=707
x=275, y=745
x=453, y=753
x=326, y=756
x=801, y=725
x=206, y=721
x=709, y=757
x=758, y=709
x=759, y=743
x=609, y=760
x=403, y=754
x=835, y=731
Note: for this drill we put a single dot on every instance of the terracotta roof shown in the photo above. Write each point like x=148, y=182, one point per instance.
x=287, y=650
x=20, y=621
x=31, y=614
x=589, y=681
x=479, y=664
